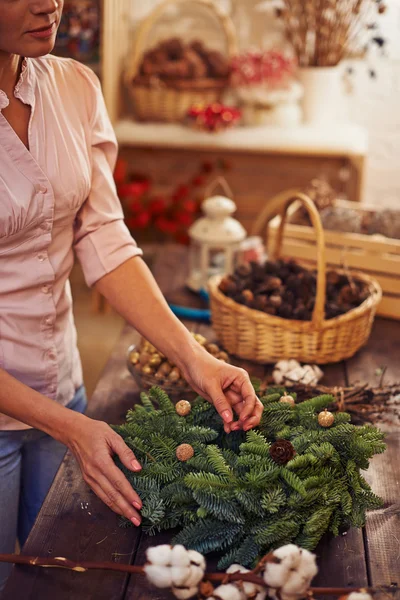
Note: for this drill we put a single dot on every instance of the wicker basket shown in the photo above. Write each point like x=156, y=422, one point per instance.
x=170, y=103
x=257, y=336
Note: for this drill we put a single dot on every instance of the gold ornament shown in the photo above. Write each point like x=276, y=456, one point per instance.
x=134, y=357
x=200, y=338
x=183, y=408
x=145, y=358
x=174, y=375
x=325, y=418
x=184, y=452
x=147, y=370
x=212, y=349
x=287, y=400
x=155, y=360
x=165, y=369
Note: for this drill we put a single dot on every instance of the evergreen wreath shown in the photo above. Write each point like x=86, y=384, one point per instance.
x=244, y=494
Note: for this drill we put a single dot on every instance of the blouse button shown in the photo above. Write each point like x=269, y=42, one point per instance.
x=41, y=189
x=51, y=355
x=45, y=289
x=41, y=257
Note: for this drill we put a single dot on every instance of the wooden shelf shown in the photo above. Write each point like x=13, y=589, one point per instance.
x=339, y=140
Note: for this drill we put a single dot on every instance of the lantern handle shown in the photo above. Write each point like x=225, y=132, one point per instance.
x=219, y=181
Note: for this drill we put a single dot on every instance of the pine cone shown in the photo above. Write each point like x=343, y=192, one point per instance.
x=282, y=451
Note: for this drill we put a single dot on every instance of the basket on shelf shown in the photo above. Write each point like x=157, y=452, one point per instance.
x=264, y=338
x=170, y=102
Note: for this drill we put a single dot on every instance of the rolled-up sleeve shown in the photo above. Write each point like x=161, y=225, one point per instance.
x=102, y=241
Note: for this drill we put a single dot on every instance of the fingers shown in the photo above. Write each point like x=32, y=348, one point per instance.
x=255, y=419
x=249, y=398
x=110, y=495
x=125, y=454
x=221, y=403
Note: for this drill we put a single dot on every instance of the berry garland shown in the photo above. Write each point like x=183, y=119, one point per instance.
x=292, y=479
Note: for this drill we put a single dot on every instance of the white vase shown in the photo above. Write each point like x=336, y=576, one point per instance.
x=323, y=98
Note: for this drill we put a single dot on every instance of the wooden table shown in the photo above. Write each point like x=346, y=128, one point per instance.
x=74, y=523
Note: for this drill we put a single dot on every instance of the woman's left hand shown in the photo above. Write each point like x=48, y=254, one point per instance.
x=228, y=388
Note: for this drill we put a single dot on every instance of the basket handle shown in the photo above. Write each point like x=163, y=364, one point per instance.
x=148, y=22
x=287, y=199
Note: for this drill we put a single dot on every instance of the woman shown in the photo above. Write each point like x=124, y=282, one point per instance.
x=57, y=152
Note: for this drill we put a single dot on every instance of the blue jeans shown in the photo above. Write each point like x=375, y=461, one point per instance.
x=29, y=461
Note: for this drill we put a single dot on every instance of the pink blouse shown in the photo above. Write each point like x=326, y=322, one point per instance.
x=56, y=197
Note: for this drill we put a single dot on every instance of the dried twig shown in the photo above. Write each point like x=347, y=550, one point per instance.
x=324, y=32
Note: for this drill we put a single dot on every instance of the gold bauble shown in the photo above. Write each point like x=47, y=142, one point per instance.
x=155, y=360
x=134, y=357
x=212, y=349
x=174, y=374
x=165, y=368
x=184, y=452
x=286, y=399
x=183, y=408
x=325, y=418
x=144, y=358
x=147, y=370
x=200, y=338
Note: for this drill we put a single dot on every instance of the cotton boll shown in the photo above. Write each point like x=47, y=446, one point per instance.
x=158, y=575
x=251, y=590
x=180, y=556
x=308, y=566
x=227, y=592
x=308, y=377
x=159, y=555
x=185, y=592
x=179, y=575
x=295, y=585
x=196, y=574
x=296, y=374
x=275, y=574
x=197, y=559
x=289, y=554
x=318, y=372
x=277, y=376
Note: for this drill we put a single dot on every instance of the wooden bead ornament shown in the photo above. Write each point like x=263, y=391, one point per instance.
x=286, y=399
x=325, y=418
x=184, y=452
x=183, y=408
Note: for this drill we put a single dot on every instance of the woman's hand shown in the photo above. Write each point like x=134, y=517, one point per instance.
x=94, y=443
x=227, y=387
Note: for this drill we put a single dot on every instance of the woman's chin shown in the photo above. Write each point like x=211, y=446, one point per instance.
x=39, y=47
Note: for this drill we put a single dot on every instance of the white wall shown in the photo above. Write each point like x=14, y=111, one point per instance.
x=374, y=103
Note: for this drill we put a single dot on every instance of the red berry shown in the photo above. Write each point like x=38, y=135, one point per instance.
x=157, y=205
x=190, y=206
x=184, y=218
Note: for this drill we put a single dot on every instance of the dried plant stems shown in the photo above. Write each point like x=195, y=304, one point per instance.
x=324, y=32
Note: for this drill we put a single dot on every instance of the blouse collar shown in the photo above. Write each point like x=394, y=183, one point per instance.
x=24, y=89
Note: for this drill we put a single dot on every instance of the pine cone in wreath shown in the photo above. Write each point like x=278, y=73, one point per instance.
x=282, y=451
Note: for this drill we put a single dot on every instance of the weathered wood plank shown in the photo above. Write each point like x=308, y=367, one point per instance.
x=382, y=532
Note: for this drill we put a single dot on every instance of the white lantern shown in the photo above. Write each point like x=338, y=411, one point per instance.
x=215, y=240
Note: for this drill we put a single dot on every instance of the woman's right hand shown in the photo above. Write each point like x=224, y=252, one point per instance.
x=94, y=444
